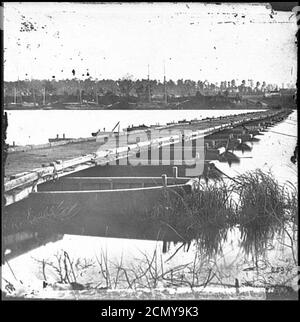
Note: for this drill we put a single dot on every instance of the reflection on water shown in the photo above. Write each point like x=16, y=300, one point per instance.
x=150, y=255
x=243, y=147
x=271, y=153
x=109, y=254
x=103, y=262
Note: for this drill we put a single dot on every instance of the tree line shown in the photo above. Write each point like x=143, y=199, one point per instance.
x=90, y=88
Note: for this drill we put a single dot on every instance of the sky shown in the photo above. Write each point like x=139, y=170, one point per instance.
x=193, y=40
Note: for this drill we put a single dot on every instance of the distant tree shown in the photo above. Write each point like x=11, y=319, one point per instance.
x=49, y=87
x=242, y=87
x=198, y=94
x=200, y=85
x=142, y=89
x=189, y=87
x=180, y=87
x=125, y=85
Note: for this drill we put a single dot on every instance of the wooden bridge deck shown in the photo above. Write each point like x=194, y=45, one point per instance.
x=23, y=161
x=18, y=162
x=24, y=170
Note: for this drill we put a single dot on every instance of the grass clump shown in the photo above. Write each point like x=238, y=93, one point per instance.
x=254, y=202
x=260, y=196
x=262, y=209
x=204, y=214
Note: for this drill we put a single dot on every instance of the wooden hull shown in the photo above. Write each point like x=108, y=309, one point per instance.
x=105, y=204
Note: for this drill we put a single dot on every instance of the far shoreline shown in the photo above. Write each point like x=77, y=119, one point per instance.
x=134, y=109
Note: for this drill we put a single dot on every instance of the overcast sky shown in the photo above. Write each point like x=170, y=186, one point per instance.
x=196, y=41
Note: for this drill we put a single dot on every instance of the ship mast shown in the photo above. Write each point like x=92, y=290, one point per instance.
x=96, y=91
x=165, y=85
x=15, y=95
x=149, y=90
x=80, y=98
x=44, y=96
x=33, y=94
x=19, y=92
x=33, y=91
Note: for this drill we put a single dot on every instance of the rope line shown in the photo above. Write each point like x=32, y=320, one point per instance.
x=214, y=167
x=294, y=136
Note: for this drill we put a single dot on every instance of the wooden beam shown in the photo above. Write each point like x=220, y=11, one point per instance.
x=96, y=180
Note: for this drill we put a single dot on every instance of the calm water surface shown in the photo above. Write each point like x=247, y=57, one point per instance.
x=271, y=153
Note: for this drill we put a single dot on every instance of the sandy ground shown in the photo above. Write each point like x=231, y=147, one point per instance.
x=60, y=291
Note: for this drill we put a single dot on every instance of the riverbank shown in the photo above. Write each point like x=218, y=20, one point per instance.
x=199, y=101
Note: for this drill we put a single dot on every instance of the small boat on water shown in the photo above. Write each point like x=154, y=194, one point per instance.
x=13, y=106
x=195, y=120
x=107, y=133
x=182, y=121
x=51, y=140
x=100, y=133
x=136, y=128
x=75, y=106
x=108, y=197
x=29, y=104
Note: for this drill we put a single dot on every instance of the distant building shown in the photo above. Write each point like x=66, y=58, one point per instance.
x=273, y=94
x=287, y=91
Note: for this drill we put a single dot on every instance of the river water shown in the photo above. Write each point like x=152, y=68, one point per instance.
x=90, y=253
x=36, y=127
